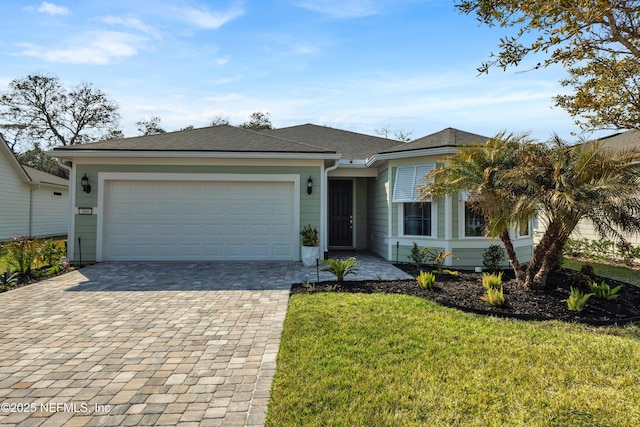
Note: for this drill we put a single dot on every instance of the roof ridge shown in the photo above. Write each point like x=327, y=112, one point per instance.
x=343, y=131
x=287, y=139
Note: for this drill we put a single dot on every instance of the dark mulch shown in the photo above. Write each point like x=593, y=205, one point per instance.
x=464, y=291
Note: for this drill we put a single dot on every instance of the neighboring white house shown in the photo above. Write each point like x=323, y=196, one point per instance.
x=585, y=229
x=32, y=203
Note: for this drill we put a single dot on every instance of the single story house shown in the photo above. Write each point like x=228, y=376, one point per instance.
x=225, y=193
x=34, y=203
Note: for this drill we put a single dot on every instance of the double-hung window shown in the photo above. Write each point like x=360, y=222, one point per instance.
x=416, y=214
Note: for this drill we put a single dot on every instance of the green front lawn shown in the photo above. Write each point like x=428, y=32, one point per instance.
x=615, y=272
x=394, y=360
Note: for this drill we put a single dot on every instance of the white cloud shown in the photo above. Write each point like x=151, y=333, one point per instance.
x=52, y=9
x=99, y=47
x=209, y=20
x=341, y=9
x=130, y=22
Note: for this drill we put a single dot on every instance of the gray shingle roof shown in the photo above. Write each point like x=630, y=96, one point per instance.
x=448, y=137
x=215, y=138
x=623, y=140
x=44, y=177
x=351, y=145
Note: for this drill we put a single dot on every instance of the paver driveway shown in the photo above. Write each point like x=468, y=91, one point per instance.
x=143, y=344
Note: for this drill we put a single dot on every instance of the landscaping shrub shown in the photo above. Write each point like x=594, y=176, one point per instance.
x=577, y=299
x=602, y=250
x=419, y=257
x=494, y=296
x=51, y=252
x=493, y=257
x=340, y=268
x=604, y=291
x=492, y=281
x=21, y=253
x=426, y=280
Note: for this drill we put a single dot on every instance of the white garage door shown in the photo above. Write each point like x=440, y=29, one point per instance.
x=187, y=220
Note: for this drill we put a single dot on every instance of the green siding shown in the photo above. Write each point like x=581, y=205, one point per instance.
x=454, y=214
x=378, y=210
x=86, y=226
x=402, y=252
x=85, y=230
x=441, y=220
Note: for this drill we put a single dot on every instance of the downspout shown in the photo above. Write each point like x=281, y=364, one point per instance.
x=323, y=206
x=70, y=233
x=34, y=186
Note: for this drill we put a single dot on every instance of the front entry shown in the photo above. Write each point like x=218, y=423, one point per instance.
x=341, y=213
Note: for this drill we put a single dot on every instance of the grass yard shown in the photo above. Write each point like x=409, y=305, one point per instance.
x=395, y=360
x=615, y=272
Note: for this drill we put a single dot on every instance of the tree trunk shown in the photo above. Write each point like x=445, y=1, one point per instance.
x=513, y=258
x=546, y=254
x=550, y=236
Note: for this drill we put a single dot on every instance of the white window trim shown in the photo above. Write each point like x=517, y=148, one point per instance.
x=434, y=221
x=529, y=229
x=462, y=220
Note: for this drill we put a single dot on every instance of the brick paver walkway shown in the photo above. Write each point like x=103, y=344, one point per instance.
x=187, y=344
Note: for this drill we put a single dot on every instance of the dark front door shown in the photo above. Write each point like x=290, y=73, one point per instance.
x=341, y=213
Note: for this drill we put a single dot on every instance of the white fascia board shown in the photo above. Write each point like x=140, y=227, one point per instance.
x=190, y=154
x=354, y=172
x=343, y=163
x=414, y=153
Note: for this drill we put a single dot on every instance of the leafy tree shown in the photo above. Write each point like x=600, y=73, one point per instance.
x=40, y=108
x=37, y=159
x=151, y=126
x=598, y=43
x=477, y=170
x=512, y=179
x=258, y=121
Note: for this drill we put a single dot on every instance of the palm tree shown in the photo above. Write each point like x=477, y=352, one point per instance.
x=511, y=179
x=565, y=184
x=478, y=170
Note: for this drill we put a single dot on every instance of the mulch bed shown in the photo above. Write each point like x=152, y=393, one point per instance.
x=463, y=292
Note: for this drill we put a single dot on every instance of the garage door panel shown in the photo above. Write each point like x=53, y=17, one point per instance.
x=163, y=220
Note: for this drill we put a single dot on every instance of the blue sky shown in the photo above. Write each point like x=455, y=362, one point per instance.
x=358, y=65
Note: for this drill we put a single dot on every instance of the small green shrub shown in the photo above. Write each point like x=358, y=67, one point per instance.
x=340, y=268
x=494, y=297
x=493, y=257
x=309, y=236
x=604, y=291
x=8, y=281
x=51, y=252
x=492, y=281
x=577, y=299
x=419, y=257
x=308, y=286
x=426, y=280
x=56, y=269
x=21, y=253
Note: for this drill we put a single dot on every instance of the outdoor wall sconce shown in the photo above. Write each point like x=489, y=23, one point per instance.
x=85, y=184
x=309, y=185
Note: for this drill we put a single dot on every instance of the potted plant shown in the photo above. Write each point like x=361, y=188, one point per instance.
x=310, y=245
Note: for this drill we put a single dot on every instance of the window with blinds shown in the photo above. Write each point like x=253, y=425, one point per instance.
x=407, y=180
